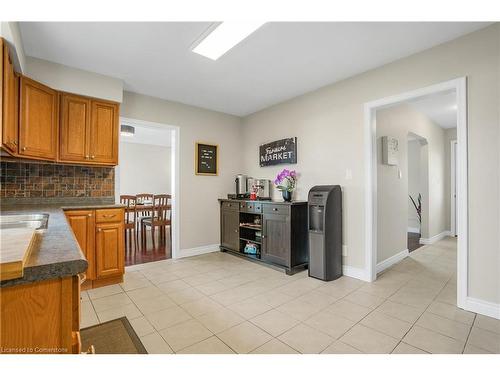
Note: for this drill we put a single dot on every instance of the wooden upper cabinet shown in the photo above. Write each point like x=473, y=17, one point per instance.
x=9, y=100
x=104, y=132
x=74, y=131
x=38, y=126
x=83, y=225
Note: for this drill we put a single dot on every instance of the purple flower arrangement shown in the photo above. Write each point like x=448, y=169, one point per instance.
x=286, y=180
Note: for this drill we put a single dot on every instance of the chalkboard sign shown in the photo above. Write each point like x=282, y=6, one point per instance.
x=283, y=151
x=206, y=159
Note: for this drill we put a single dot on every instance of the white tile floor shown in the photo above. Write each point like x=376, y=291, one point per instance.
x=219, y=303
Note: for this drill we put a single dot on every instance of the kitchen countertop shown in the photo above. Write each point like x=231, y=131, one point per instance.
x=56, y=252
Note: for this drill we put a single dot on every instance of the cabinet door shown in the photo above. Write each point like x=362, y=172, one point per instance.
x=74, y=132
x=83, y=225
x=10, y=89
x=104, y=133
x=110, y=250
x=230, y=229
x=38, y=127
x=276, y=239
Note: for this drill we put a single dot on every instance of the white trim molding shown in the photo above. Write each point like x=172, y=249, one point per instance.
x=413, y=230
x=482, y=307
x=198, y=251
x=434, y=239
x=392, y=260
x=459, y=85
x=354, y=272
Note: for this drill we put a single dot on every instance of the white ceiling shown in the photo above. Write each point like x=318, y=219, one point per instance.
x=440, y=108
x=149, y=136
x=279, y=61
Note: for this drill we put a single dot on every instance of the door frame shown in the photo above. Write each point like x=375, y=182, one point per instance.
x=453, y=200
x=459, y=85
x=175, y=180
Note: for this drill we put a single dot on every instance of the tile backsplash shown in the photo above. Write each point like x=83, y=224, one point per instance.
x=29, y=180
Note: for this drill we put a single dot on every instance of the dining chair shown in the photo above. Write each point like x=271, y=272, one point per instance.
x=161, y=218
x=130, y=202
x=143, y=200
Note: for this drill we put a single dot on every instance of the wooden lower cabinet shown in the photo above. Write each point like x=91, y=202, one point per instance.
x=83, y=225
x=276, y=239
x=230, y=237
x=41, y=317
x=100, y=234
x=110, y=250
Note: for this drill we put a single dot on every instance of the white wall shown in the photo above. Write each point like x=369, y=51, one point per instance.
x=329, y=126
x=11, y=33
x=414, y=182
x=393, y=204
x=73, y=80
x=144, y=169
x=199, y=208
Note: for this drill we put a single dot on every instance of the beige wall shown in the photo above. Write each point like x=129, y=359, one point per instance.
x=199, y=208
x=73, y=80
x=392, y=191
x=143, y=169
x=329, y=126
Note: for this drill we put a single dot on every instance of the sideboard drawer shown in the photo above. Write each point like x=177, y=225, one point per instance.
x=279, y=209
x=251, y=207
x=235, y=206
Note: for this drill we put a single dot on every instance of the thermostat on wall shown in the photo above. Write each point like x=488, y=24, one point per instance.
x=390, y=147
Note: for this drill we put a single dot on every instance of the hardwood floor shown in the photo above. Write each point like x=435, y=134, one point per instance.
x=148, y=253
x=413, y=241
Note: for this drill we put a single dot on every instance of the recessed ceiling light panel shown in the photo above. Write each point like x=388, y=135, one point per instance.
x=224, y=37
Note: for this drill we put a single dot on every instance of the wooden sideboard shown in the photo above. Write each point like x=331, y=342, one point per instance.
x=278, y=231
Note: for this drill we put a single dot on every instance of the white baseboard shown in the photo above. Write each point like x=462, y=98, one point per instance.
x=413, y=230
x=482, y=307
x=436, y=238
x=356, y=273
x=198, y=251
x=392, y=260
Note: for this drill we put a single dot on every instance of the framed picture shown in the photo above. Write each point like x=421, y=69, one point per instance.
x=206, y=159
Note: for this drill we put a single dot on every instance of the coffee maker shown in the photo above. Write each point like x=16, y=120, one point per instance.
x=242, y=188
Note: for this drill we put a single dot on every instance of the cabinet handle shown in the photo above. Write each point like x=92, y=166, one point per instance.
x=109, y=215
x=86, y=156
x=89, y=215
x=99, y=229
x=236, y=231
x=92, y=157
x=15, y=143
x=24, y=148
x=275, y=209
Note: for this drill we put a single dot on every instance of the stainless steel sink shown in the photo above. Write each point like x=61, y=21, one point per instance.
x=35, y=221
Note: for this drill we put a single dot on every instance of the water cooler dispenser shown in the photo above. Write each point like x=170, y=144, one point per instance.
x=325, y=232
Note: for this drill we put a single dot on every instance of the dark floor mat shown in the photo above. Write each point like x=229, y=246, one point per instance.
x=113, y=337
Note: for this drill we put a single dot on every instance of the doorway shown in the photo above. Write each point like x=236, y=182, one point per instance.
x=458, y=86
x=149, y=165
